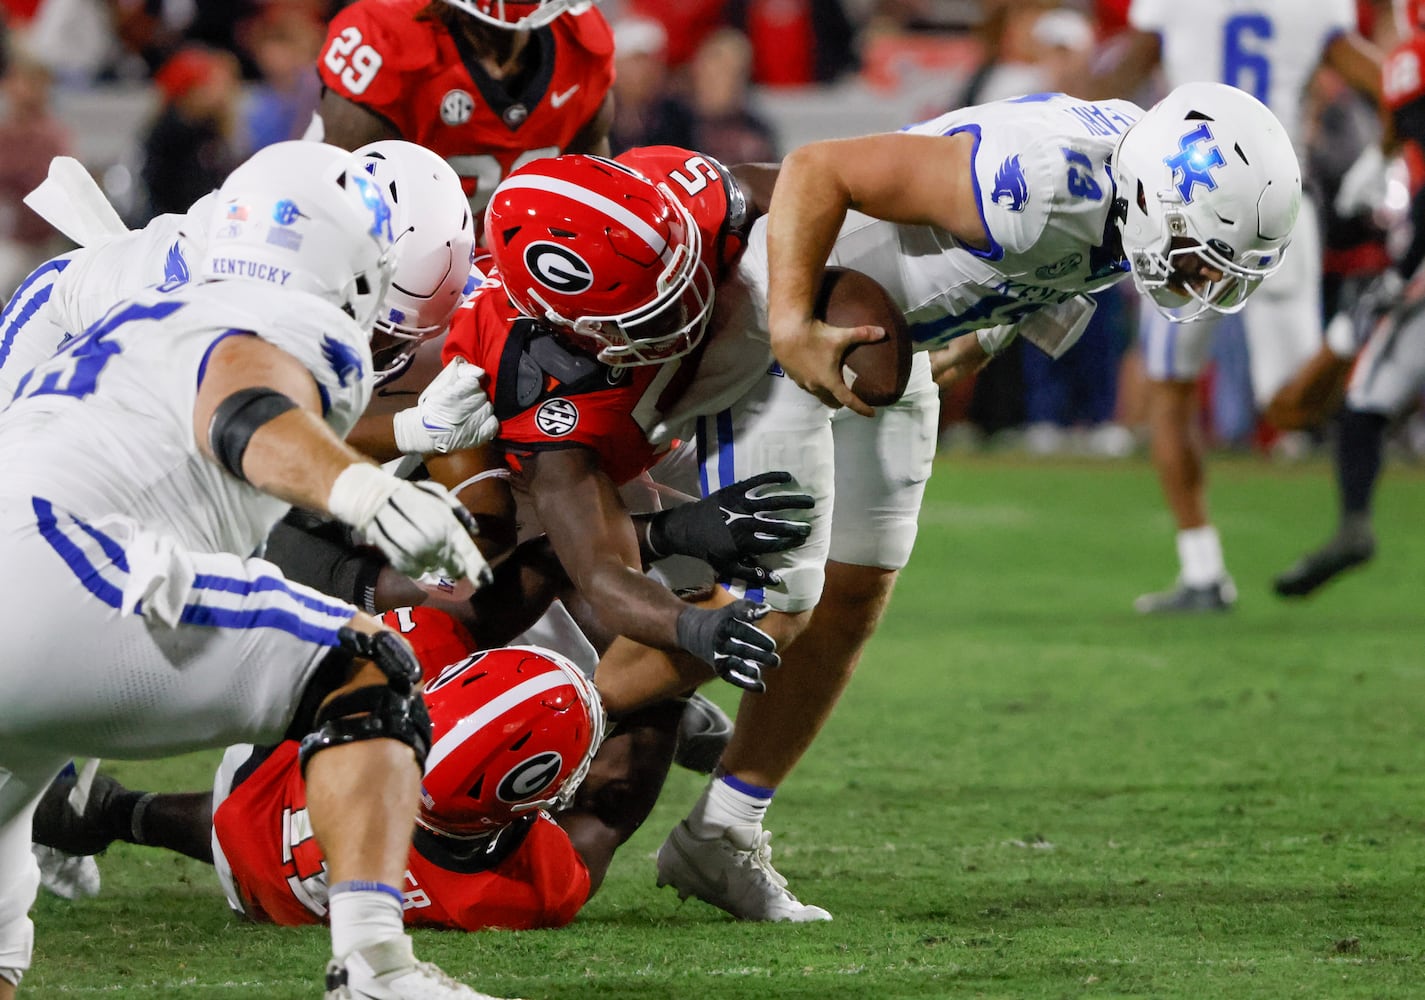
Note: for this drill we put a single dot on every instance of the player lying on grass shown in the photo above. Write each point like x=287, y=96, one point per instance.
x=511, y=832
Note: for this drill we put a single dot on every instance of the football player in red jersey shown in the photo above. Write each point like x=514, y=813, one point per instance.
x=1386, y=376
x=583, y=370
x=510, y=832
x=487, y=84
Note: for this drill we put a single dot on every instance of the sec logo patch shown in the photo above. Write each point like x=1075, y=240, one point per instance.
x=456, y=107
x=556, y=417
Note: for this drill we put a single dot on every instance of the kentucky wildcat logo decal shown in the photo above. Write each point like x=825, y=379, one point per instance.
x=1011, y=189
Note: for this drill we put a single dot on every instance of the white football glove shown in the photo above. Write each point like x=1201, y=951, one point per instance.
x=453, y=413
x=419, y=526
x=1363, y=186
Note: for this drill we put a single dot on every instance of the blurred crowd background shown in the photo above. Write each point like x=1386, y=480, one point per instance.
x=161, y=98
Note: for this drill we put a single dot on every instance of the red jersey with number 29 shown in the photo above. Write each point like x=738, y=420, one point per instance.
x=548, y=395
x=430, y=86
x=530, y=877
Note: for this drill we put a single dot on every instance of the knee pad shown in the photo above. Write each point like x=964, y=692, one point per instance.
x=374, y=712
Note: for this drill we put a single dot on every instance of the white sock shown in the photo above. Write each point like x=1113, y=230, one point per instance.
x=1200, y=554
x=728, y=802
x=362, y=913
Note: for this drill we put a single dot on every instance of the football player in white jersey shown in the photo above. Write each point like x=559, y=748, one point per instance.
x=144, y=463
x=1271, y=49
x=979, y=223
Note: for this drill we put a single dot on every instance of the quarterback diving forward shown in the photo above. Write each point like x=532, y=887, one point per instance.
x=144, y=464
x=981, y=223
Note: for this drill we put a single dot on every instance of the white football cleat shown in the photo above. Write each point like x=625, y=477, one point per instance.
x=732, y=872
x=388, y=970
x=68, y=876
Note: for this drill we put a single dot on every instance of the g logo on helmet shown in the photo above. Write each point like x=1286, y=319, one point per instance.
x=558, y=268
x=527, y=779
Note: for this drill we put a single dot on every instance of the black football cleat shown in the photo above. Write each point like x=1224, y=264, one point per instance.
x=1314, y=569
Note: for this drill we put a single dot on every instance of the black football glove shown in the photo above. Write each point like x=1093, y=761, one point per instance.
x=726, y=638
x=728, y=529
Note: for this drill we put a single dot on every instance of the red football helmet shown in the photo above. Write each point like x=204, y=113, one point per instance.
x=612, y=260
x=517, y=15
x=513, y=729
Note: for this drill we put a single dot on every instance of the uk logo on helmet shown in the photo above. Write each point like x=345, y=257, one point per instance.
x=558, y=268
x=1195, y=160
x=376, y=202
x=530, y=777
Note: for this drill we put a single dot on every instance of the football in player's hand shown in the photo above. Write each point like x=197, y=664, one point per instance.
x=876, y=372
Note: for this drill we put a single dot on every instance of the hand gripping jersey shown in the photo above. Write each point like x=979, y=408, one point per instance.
x=527, y=877
x=107, y=423
x=63, y=296
x=547, y=395
x=1269, y=48
x=430, y=86
x=1046, y=197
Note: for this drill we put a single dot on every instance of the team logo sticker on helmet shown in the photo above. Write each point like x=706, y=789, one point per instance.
x=1195, y=160
x=556, y=417
x=527, y=779
x=286, y=212
x=557, y=267
x=456, y=107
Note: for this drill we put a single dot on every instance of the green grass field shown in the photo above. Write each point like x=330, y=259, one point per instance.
x=1028, y=791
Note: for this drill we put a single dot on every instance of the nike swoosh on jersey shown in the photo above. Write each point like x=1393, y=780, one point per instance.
x=557, y=100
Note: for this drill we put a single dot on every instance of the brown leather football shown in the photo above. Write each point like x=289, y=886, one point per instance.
x=877, y=373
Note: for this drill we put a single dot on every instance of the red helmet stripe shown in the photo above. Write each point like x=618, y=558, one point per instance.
x=594, y=200
x=489, y=712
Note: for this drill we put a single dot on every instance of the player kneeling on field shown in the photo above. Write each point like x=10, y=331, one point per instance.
x=510, y=832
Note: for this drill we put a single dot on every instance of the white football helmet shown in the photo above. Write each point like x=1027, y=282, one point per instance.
x=518, y=15
x=307, y=216
x=434, y=244
x=1207, y=171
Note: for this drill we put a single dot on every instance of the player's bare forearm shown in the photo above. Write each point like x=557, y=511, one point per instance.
x=961, y=358
x=595, y=540
x=807, y=207
x=1358, y=60
x=349, y=125
x=374, y=435
x=896, y=176
x=622, y=786
x=295, y=456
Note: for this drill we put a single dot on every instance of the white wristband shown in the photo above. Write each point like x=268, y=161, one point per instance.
x=411, y=437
